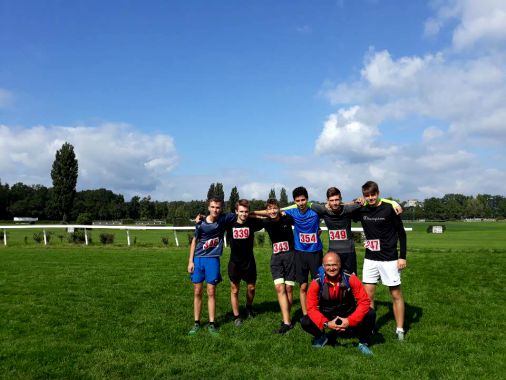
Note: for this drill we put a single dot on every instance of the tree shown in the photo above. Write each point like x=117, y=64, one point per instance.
x=216, y=191
x=272, y=194
x=283, y=198
x=211, y=191
x=234, y=197
x=64, y=175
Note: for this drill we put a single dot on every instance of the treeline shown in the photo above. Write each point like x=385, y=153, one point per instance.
x=39, y=201
x=102, y=204
x=457, y=207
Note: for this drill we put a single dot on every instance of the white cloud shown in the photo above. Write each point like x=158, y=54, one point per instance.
x=478, y=22
x=450, y=103
x=345, y=135
x=111, y=155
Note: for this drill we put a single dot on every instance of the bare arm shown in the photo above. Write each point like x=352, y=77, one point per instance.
x=191, y=266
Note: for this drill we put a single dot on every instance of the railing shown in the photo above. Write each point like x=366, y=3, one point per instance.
x=86, y=227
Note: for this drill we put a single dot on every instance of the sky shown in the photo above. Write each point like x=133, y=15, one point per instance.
x=163, y=98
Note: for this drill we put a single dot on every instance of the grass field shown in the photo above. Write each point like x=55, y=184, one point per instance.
x=112, y=312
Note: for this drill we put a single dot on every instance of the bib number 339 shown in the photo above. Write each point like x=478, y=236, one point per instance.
x=372, y=245
x=307, y=238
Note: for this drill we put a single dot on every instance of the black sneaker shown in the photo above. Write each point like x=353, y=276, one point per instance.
x=250, y=313
x=283, y=329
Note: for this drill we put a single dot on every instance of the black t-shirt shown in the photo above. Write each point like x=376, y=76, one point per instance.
x=280, y=232
x=339, y=226
x=242, y=237
x=382, y=228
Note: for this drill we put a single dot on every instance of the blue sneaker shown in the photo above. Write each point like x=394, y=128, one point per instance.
x=364, y=348
x=320, y=342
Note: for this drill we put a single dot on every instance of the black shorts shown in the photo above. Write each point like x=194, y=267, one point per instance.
x=283, y=267
x=306, y=262
x=242, y=270
x=348, y=261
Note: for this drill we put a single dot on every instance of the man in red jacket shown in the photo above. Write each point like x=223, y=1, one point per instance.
x=338, y=302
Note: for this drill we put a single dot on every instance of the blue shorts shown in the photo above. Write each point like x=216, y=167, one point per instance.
x=206, y=268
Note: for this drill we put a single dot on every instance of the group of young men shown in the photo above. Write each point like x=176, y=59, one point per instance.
x=336, y=299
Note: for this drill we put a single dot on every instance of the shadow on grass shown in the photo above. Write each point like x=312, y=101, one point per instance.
x=412, y=315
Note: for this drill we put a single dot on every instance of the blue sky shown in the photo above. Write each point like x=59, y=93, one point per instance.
x=163, y=98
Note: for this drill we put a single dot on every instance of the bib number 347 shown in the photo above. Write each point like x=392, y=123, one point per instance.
x=372, y=245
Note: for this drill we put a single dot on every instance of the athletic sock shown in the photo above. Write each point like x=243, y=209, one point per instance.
x=197, y=322
x=399, y=329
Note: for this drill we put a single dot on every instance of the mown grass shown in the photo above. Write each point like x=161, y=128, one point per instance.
x=102, y=312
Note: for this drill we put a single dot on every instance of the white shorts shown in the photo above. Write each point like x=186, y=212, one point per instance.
x=387, y=271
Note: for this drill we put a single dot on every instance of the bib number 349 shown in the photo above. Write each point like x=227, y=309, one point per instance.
x=307, y=238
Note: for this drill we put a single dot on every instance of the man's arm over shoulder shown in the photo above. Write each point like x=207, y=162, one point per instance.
x=312, y=305
x=363, y=301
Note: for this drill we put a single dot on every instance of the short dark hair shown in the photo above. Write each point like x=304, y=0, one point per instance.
x=271, y=201
x=243, y=203
x=333, y=191
x=298, y=191
x=215, y=200
x=370, y=187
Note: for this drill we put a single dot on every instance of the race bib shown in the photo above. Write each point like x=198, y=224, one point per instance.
x=372, y=245
x=338, y=235
x=281, y=246
x=211, y=243
x=240, y=233
x=307, y=238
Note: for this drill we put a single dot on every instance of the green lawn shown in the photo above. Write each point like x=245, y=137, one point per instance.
x=102, y=312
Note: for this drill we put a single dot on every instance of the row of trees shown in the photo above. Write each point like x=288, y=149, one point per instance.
x=102, y=204
x=63, y=202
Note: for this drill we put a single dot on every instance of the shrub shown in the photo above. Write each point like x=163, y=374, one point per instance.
x=165, y=240
x=128, y=222
x=61, y=237
x=77, y=236
x=357, y=237
x=106, y=238
x=260, y=240
x=84, y=218
x=38, y=237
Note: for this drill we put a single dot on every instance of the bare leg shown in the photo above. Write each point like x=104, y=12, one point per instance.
x=197, y=300
x=211, y=301
x=234, y=297
x=303, y=293
x=370, y=289
x=289, y=296
x=283, y=303
x=250, y=294
x=398, y=305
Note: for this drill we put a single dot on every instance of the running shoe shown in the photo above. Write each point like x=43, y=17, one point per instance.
x=400, y=335
x=237, y=322
x=250, y=313
x=212, y=330
x=195, y=329
x=364, y=348
x=283, y=329
x=320, y=342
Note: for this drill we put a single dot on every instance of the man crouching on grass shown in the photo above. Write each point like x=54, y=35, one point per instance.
x=337, y=300
x=204, y=261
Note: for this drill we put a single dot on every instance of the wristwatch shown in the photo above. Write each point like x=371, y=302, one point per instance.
x=325, y=325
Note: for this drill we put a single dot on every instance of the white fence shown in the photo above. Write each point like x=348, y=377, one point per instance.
x=71, y=227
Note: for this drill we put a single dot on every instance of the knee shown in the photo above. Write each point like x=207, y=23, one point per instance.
x=251, y=287
x=211, y=292
x=197, y=292
x=280, y=289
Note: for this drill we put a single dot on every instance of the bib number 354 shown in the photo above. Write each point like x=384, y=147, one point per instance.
x=307, y=238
